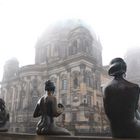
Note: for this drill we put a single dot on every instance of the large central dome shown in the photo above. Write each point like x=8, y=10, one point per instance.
x=62, y=29
x=65, y=38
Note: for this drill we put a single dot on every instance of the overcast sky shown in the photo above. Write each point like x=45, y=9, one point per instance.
x=116, y=22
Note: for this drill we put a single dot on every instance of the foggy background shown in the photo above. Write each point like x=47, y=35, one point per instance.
x=22, y=22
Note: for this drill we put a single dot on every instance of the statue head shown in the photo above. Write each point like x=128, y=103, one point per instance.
x=117, y=67
x=49, y=86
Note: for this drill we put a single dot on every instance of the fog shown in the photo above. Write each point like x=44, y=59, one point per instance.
x=115, y=22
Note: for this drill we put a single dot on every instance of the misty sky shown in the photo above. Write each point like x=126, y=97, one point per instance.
x=116, y=22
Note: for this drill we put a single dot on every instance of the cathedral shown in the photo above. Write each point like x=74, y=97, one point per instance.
x=70, y=55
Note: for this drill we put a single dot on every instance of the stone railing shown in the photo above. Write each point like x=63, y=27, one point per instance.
x=14, y=136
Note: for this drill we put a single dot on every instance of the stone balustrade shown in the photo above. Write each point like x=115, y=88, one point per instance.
x=21, y=136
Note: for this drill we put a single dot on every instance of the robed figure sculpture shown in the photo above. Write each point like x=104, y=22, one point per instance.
x=47, y=108
x=121, y=102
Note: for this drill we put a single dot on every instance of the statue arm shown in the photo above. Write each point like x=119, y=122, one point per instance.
x=56, y=111
x=37, y=111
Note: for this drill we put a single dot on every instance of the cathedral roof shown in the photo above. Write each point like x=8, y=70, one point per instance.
x=62, y=29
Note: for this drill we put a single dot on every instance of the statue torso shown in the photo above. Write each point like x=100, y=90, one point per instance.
x=47, y=105
x=120, y=100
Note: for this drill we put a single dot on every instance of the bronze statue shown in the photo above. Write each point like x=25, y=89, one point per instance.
x=47, y=108
x=121, y=102
x=4, y=117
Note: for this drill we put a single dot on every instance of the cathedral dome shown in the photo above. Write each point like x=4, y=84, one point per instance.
x=61, y=29
x=10, y=68
x=12, y=61
x=63, y=39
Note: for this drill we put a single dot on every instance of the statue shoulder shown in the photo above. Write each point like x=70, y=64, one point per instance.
x=107, y=85
x=49, y=99
x=130, y=84
x=106, y=88
x=40, y=100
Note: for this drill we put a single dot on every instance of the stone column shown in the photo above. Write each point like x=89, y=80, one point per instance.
x=18, y=94
x=13, y=98
x=69, y=86
x=58, y=87
x=82, y=79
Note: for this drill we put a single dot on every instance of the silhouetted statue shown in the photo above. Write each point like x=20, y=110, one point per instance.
x=121, y=102
x=4, y=117
x=47, y=108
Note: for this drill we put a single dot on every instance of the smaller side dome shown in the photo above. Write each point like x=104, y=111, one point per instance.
x=10, y=68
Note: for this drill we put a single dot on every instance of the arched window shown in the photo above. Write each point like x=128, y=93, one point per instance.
x=89, y=100
x=75, y=78
x=87, y=46
x=73, y=47
x=75, y=82
x=64, y=100
x=89, y=79
x=64, y=84
x=74, y=117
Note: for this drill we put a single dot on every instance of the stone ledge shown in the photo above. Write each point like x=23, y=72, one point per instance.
x=22, y=136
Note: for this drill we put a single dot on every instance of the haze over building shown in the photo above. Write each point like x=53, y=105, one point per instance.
x=133, y=65
x=70, y=55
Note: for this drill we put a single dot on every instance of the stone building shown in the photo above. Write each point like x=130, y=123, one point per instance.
x=70, y=55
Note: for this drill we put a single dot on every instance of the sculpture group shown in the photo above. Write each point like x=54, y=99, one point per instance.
x=120, y=98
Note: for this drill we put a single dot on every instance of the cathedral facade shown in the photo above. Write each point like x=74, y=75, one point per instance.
x=70, y=55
